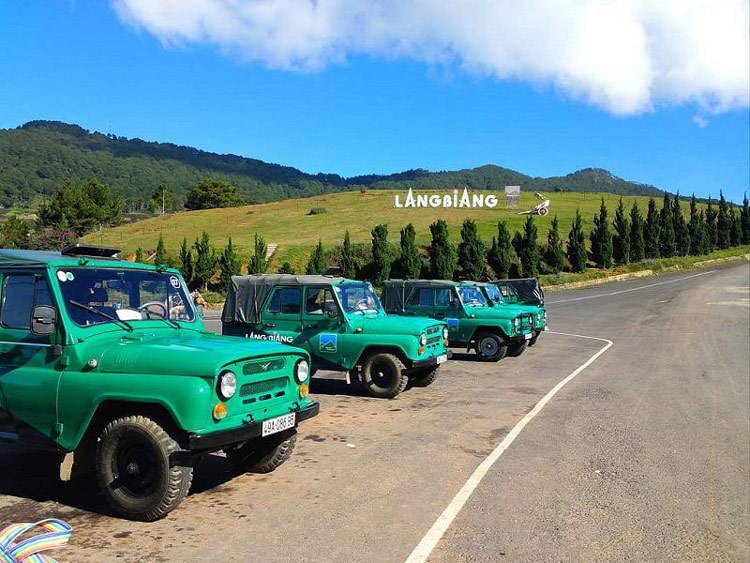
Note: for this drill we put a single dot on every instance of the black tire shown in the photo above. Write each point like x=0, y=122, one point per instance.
x=383, y=376
x=133, y=469
x=424, y=376
x=515, y=350
x=534, y=339
x=263, y=455
x=490, y=347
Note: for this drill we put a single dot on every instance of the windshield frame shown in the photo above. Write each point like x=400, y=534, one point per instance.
x=182, y=291
x=339, y=288
x=469, y=304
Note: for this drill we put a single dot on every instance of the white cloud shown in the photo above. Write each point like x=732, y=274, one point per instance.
x=626, y=56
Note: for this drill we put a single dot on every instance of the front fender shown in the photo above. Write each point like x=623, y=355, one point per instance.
x=186, y=399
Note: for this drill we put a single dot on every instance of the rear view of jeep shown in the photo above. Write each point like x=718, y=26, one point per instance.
x=492, y=332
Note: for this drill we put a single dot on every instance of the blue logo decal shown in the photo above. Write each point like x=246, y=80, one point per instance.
x=329, y=343
x=452, y=324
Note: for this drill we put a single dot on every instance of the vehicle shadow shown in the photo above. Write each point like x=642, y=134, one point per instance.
x=330, y=386
x=466, y=357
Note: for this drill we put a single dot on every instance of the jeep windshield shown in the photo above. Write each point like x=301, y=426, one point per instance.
x=107, y=295
x=493, y=293
x=471, y=296
x=358, y=298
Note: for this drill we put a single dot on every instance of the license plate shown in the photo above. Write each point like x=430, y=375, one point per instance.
x=528, y=336
x=442, y=358
x=278, y=424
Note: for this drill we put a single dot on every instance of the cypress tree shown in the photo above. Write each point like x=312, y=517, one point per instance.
x=722, y=223
x=745, y=221
x=694, y=230
x=501, y=254
x=381, y=254
x=577, y=245
x=257, y=263
x=554, y=255
x=205, y=261
x=529, y=255
x=348, y=264
x=735, y=230
x=711, y=216
x=229, y=265
x=601, y=239
x=681, y=231
x=471, y=251
x=637, y=241
x=704, y=238
x=286, y=268
x=186, y=261
x=409, y=263
x=139, y=254
x=621, y=241
x=666, y=229
x=651, y=231
x=442, y=253
x=317, y=262
x=161, y=252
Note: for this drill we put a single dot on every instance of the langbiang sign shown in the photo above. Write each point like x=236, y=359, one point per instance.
x=475, y=199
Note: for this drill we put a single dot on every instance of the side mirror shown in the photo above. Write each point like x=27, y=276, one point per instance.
x=43, y=320
x=332, y=312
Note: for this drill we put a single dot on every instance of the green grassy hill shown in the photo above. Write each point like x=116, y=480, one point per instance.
x=288, y=224
x=36, y=158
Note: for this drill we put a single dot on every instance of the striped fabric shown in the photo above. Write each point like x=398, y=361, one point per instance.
x=57, y=533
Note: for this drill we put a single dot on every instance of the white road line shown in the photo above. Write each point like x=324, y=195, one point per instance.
x=628, y=290
x=435, y=533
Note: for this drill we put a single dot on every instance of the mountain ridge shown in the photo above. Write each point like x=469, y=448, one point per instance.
x=38, y=156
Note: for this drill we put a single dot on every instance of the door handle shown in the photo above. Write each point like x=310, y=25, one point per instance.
x=313, y=325
x=271, y=325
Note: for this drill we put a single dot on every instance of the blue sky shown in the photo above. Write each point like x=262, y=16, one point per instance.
x=81, y=63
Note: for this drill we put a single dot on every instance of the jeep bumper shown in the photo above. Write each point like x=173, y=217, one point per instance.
x=212, y=441
x=427, y=362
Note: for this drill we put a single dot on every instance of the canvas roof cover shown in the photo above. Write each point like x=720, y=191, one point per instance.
x=247, y=294
x=10, y=258
x=528, y=289
x=395, y=292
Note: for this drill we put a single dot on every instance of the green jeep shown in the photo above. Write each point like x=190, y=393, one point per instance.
x=106, y=361
x=525, y=293
x=505, y=295
x=343, y=326
x=493, y=332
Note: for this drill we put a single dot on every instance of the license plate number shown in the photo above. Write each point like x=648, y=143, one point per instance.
x=278, y=424
x=528, y=336
x=442, y=358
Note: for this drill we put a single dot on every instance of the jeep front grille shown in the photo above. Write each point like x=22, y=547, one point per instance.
x=269, y=386
x=433, y=329
x=263, y=366
x=434, y=340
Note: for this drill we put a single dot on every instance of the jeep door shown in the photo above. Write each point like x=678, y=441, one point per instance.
x=30, y=370
x=322, y=326
x=448, y=308
x=281, y=319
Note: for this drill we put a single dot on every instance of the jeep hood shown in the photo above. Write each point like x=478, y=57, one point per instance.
x=500, y=312
x=181, y=353
x=392, y=324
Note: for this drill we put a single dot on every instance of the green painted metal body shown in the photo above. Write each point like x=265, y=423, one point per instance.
x=492, y=292
x=343, y=342
x=52, y=386
x=465, y=320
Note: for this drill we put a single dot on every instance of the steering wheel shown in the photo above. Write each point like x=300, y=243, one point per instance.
x=145, y=306
x=364, y=302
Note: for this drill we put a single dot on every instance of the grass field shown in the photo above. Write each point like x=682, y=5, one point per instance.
x=288, y=224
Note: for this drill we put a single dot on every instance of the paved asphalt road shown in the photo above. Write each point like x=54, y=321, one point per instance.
x=644, y=456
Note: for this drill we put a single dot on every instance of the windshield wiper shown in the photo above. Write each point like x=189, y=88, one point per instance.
x=126, y=324
x=170, y=322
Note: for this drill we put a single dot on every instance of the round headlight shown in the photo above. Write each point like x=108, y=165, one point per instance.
x=301, y=371
x=423, y=339
x=445, y=332
x=227, y=385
